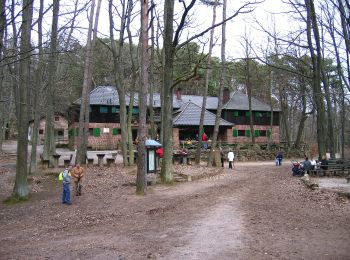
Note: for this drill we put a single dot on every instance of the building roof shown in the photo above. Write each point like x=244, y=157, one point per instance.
x=240, y=101
x=108, y=95
x=189, y=114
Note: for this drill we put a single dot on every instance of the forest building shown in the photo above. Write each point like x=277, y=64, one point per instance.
x=104, y=125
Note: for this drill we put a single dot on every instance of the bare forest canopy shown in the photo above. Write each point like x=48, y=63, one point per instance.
x=53, y=52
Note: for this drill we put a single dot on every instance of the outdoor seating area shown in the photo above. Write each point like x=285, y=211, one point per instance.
x=335, y=168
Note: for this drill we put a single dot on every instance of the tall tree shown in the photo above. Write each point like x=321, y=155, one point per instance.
x=36, y=90
x=2, y=100
x=117, y=70
x=222, y=85
x=214, y=4
x=316, y=66
x=85, y=99
x=49, y=143
x=21, y=185
x=145, y=63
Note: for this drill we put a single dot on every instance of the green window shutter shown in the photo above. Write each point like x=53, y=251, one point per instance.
x=235, y=113
x=268, y=114
x=77, y=131
x=97, y=132
x=268, y=133
x=235, y=132
x=103, y=110
x=247, y=133
x=256, y=133
x=114, y=131
x=247, y=113
x=114, y=110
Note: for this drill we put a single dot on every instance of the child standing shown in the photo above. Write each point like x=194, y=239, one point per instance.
x=66, y=187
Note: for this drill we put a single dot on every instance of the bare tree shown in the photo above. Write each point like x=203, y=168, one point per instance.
x=221, y=88
x=214, y=4
x=85, y=100
x=49, y=143
x=36, y=90
x=145, y=63
x=117, y=70
x=21, y=185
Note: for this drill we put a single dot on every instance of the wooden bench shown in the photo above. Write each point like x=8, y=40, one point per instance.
x=334, y=168
x=110, y=161
x=67, y=162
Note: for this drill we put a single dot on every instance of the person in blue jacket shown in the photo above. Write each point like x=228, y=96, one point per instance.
x=279, y=158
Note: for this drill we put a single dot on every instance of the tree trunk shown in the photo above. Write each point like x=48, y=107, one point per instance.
x=21, y=185
x=87, y=83
x=168, y=66
x=133, y=86
x=151, y=76
x=221, y=88
x=145, y=62
x=49, y=143
x=317, y=92
x=117, y=70
x=205, y=90
x=2, y=99
x=36, y=89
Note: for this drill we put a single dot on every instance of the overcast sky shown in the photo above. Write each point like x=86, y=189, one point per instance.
x=236, y=29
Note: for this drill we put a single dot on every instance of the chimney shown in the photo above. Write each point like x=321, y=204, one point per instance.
x=178, y=94
x=226, y=96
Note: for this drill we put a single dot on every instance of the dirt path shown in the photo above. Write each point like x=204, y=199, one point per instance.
x=257, y=211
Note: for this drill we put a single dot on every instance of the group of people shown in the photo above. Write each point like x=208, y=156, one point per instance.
x=77, y=173
x=230, y=157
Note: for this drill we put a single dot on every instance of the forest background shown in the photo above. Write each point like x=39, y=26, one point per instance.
x=302, y=69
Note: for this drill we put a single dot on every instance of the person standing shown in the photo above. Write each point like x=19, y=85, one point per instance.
x=78, y=174
x=66, y=186
x=222, y=157
x=231, y=157
x=205, y=141
x=279, y=158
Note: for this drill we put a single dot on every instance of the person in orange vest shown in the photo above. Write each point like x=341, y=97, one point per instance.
x=77, y=175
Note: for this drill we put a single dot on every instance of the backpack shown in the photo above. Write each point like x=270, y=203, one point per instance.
x=60, y=176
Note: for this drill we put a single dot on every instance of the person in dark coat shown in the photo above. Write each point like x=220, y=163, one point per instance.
x=279, y=158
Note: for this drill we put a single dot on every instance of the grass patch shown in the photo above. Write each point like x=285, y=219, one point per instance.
x=15, y=199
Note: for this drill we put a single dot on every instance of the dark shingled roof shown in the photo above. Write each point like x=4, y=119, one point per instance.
x=108, y=95
x=189, y=114
x=239, y=101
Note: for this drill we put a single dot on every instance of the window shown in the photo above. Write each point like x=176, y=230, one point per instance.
x=57, y=118
x=91, y=131
x=105, y=130
x=241, y=133
x=41, y=131
x=103, y=110
x=262, y=133
x=115, y=110
x=60, y=132
x=258, y=114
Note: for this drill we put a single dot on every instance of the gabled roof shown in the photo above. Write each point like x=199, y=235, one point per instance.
x=189, y=114
x=240, y=101
x=108, y=95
